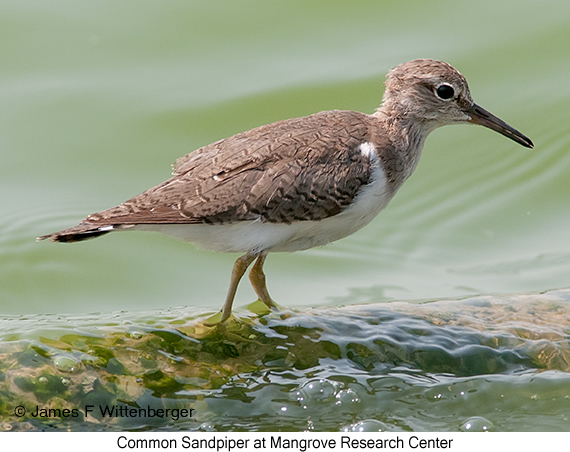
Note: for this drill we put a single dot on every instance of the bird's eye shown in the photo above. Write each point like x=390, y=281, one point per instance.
x=445, y=91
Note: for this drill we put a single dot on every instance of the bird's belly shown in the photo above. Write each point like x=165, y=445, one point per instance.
x=256, y=236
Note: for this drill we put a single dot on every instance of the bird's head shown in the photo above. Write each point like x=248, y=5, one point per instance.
x=435, y=93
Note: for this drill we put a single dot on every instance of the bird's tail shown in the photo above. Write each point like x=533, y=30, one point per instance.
x=84, y=231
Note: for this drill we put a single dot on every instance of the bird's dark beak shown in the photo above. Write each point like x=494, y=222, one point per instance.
x=482, y=117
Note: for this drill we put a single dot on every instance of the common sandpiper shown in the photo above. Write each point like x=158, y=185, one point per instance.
x=298, y=183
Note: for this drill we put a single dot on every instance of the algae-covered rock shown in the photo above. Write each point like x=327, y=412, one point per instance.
x=323, y=369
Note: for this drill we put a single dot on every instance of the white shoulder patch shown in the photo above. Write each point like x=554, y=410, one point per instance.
x=368, y=150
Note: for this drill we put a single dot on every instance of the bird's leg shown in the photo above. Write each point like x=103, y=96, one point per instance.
x=239, y=269
x=257, y=278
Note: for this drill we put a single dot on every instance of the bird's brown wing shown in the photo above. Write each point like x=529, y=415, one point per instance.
x=300, y=169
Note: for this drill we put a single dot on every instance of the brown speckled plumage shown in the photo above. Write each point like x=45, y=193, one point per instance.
x=299, y=169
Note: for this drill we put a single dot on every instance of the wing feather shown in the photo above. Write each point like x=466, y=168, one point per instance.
x=306, y=168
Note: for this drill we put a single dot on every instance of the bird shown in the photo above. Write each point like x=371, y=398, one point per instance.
x=298, y=183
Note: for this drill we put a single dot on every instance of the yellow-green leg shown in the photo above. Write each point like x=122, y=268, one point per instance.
x=239, y=269
x=257, y=279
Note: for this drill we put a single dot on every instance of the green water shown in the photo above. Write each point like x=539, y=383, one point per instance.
x=97, y=99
